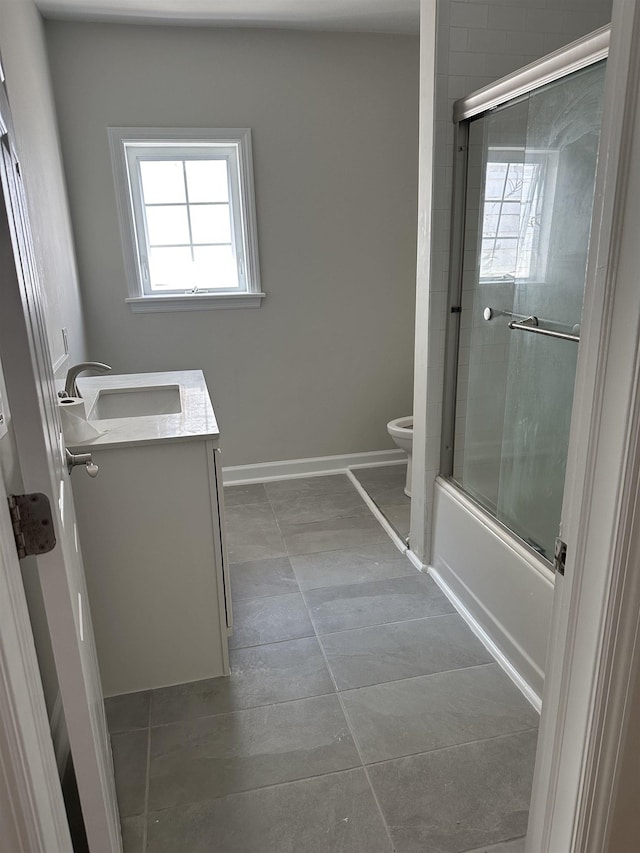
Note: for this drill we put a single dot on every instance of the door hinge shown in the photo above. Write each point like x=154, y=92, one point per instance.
x=560, y=556
x=32, y=524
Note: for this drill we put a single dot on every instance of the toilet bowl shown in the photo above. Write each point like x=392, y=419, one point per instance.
x=401, y=431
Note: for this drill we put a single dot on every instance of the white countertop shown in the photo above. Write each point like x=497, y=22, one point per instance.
x=196, y=421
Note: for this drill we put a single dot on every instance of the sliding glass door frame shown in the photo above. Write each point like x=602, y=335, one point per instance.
x=580, y=55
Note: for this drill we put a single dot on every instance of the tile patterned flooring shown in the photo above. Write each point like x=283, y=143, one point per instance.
x=385, y=487
x=361, y=715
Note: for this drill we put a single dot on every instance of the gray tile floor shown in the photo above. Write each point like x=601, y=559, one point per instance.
x=385, y=486
x=361, y=715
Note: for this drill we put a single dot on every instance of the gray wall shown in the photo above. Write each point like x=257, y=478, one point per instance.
x=24, y=58
x=326, y=361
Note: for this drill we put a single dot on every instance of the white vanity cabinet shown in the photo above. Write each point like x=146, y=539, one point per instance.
x=151, y=529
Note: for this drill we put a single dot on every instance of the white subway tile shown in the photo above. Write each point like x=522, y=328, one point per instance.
x=433, y=449
x=544, y=20
x=555, y=41
x=526, y=43
x=442, y=58
x=437, y=309
x=582, y=6
x=443, y=14
x=457, y=86
x=487, y=41
x=500, y=66
x=436, y=347
x=578, y=23
x=458, y=38
x=506, y=18
x=434, y=419
x=469, y=14
x=468, y=64
x=478, y=82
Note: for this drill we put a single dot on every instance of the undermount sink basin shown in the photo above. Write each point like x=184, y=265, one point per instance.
x=136, y=402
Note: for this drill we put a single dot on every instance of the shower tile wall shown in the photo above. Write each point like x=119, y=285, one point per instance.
x=478, y=43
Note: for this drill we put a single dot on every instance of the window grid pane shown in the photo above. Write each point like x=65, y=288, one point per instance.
x=162, y=181
x=509, y=220
x=184, y=253
x=207, y=180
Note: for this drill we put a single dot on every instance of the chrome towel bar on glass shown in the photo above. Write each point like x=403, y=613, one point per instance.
x=528, y=324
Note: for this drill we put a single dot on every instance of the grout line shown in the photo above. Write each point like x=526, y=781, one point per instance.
x=284, y=543
x=410, y=574
x=379, y=624
x=377, y=513
x=353, y=735
x=243, y=504
x=335, y=691
x=286, y=640
x=240, y=710
x=366, y=773
x=350, y=479
x=409, y=677
x=244, y=710
x=146, y=786
x=371, y=582
x=453, y=612
x=270, y=595
x=455, y=746
x=513, y=733
x=496, y=843
x=258, y=788
x=416, y=677
x=357, y=746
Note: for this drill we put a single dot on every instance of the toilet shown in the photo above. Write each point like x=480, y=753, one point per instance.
x=401, y=431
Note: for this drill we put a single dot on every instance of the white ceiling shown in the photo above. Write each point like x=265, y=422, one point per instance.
x=388, y=16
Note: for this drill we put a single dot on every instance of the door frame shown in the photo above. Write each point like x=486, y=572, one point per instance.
x=594, y=636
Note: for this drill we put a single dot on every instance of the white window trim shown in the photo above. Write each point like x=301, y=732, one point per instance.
x=136, y=298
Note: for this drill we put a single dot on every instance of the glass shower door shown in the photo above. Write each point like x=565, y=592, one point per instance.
x=530, y=183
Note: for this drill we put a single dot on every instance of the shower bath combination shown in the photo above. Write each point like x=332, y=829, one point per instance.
x=526, y=155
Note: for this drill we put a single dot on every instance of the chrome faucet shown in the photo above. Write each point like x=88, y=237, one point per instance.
x=70, y=387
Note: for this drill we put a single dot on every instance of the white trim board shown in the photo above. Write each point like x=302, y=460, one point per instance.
x=586, y=730
x=416, y=561
x=314, y=466
x=503, y=662
x=381, y=518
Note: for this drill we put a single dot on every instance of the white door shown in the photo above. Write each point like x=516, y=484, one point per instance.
x=24, y=353
x=32, y=814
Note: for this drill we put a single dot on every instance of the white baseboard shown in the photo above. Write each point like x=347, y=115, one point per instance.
x=59, y=735
x=388, y=528
x=289, y=469
x=522, y=685
x=416, y=561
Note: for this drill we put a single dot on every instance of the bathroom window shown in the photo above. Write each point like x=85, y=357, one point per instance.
x=187, y=217
x=517, y=206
